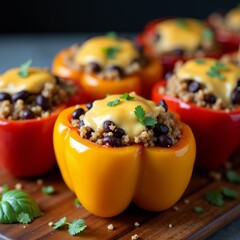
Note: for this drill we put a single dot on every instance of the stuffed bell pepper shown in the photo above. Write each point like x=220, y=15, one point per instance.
x=108, y=65
x=173, y=39
x=124, y=148
x=30, y=100
x=205, y=92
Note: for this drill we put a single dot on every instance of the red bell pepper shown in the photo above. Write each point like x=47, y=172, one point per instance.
x=26, y=145
x=216, y=132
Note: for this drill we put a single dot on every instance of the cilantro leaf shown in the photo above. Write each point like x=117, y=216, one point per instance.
x=14, y=202
x=111, y=34
x=24, y=218
x=113, y=103
x=76, y=226
x=60, y=223
x=148, y=121
x=127, y=97
x=140, y=113
x=229, y=193
x=208, y=34
x=48, y=190
x=181, y=22
x=200, y=61
x=232, y=176
x=77, y=202
x=198, y=210
x=215, y=198
x=220, y=66
x=111, y=52
x=23, y=72
x=213, y=72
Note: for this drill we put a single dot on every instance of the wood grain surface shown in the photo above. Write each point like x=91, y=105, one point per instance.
x=171, y=224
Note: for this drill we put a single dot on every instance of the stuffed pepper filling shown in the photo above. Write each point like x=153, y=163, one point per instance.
x=31, y=93
x=205, y=82
x=122, y=120
x=182, y=37
x=108, y=57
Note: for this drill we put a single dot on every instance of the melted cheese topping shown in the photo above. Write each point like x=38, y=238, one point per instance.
x=12, y=83
x=93, y=51
x=222, y=88
x=122, y=115
x=174, y=35
x=232, y=19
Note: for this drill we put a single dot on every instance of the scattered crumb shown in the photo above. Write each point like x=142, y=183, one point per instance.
x=50, y=224
x=39, y=182
x=24, y=226
x=176, y=208
x=110, y=227
x=186, y=201
x=135, y=236
x=170, y=225
x=136, y=224
x=18, y=186
x=215, y=175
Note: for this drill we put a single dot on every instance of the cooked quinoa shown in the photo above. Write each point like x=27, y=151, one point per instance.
x=165, y=133
x=191, y=90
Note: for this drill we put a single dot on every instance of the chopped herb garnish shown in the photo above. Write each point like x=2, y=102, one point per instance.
x=77, y=202
x=48, y=190
x=215, y=198
x=140, y=114
x=23, y=72
x=233, y=176
x=230, y=193
x=74, y=227
x=181, y=22
x=24, y=218
x=200, y=61
x=111, y=52
x=198, y=210
x=208, y=34
x=113, y=103
x=220, y=66
x=111, y=34
x=127, y=97
x=213, y=72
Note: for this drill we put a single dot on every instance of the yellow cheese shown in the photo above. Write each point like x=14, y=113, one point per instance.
x=11, y=82
x=122, y=114
x=222, y=88
x=185, y=34
x=93, y=50
x=232, y=19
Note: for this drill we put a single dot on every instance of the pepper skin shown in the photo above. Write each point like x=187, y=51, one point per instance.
x=26, y=145
x=216, y=132
x=97, y=88
x=106, y=179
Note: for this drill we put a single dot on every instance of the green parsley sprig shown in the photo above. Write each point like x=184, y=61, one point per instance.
x=23, y=72
x=207, y=34
x=74, y=227
x=111, y=52
x=198, y=209
x=116, y=101
x=215, y=69
x=200, y=61
x=144, y=120
x=111, y=35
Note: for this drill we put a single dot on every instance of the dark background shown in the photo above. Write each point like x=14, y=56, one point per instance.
x=52, y=16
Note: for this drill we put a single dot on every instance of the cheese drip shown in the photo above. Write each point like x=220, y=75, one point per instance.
x=222, y=88
x=232, y=19
x=122, y=115
x=93, y=50
x=176, y=35
x=12, y=83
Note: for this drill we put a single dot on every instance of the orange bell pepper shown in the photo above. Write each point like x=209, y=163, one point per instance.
x=97, y=88
x=107, y=179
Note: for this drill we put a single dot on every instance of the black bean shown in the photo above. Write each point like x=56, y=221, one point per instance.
x=94, y=67
x=77, y=113
x=89, y=105
x=115, y=69
x=42, y=102
x=163, y=104
x=178, y=52
x=57, y=80
x=81, y=123
x=5, y=96
x=106, y=126
x=160, y=129
x=194, y=86
x=111, y=141
x=156, y=37
x=164, y=141
x=235, y=97
x=28, y=114
x=210, y=98
x=20, y=95
x=118, y=132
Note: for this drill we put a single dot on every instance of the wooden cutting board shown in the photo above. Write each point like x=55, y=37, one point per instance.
x=180, y=222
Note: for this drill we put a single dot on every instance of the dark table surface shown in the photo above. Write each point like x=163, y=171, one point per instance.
x=17, y=49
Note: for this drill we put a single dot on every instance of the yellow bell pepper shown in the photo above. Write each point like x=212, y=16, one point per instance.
x=107, y=179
